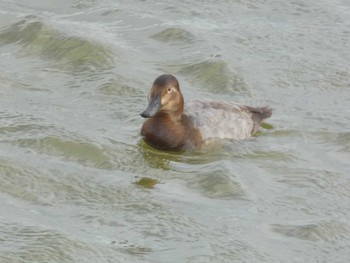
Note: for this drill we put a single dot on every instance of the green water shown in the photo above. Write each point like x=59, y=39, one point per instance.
x=78, y=185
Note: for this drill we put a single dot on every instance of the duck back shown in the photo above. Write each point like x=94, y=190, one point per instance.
x=225, y=120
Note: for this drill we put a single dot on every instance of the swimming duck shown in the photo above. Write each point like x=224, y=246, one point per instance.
x=171, y=126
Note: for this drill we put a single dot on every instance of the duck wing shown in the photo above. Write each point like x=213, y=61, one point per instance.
x=225, y=120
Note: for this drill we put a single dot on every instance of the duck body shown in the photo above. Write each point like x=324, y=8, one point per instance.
x=173, y=126
x=225, y=120
x=163, y=132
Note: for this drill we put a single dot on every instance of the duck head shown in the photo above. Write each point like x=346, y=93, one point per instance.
x=165, y=96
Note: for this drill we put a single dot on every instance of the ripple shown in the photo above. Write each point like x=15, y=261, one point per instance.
x=56, y=184
x=21, y=84
x=15, y=180
x=309, y=178
x=174, y=35
x=33, y=243
x=213, y=75
x=118, y=86
x=18, y=130
x=342, y=139
x=217, y=184
x=69, y=53
x=326, y=231
x=83, y=152
x=29, y=243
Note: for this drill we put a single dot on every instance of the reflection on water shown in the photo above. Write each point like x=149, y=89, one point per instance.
x=77, y=183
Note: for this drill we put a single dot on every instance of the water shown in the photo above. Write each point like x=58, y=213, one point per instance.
x=78, y=185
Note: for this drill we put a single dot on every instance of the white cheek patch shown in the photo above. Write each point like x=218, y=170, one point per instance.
x=164, y=100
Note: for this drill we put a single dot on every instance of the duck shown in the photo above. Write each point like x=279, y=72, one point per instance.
x=172, y=125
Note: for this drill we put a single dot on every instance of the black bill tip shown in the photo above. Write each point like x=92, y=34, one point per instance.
x=145, y=114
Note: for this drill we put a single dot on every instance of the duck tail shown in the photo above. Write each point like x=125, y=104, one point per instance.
x=265, y=112
x=260, y=114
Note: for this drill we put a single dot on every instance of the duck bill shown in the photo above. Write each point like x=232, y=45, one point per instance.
x=152, y=108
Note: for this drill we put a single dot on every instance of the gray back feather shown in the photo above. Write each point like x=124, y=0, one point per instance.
x=225, y=120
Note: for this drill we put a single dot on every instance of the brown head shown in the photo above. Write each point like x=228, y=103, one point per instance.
x=165, y=96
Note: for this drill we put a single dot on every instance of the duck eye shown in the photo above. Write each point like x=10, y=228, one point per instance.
x=170, y=89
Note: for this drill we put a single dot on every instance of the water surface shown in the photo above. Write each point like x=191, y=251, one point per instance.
x=78, y=185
